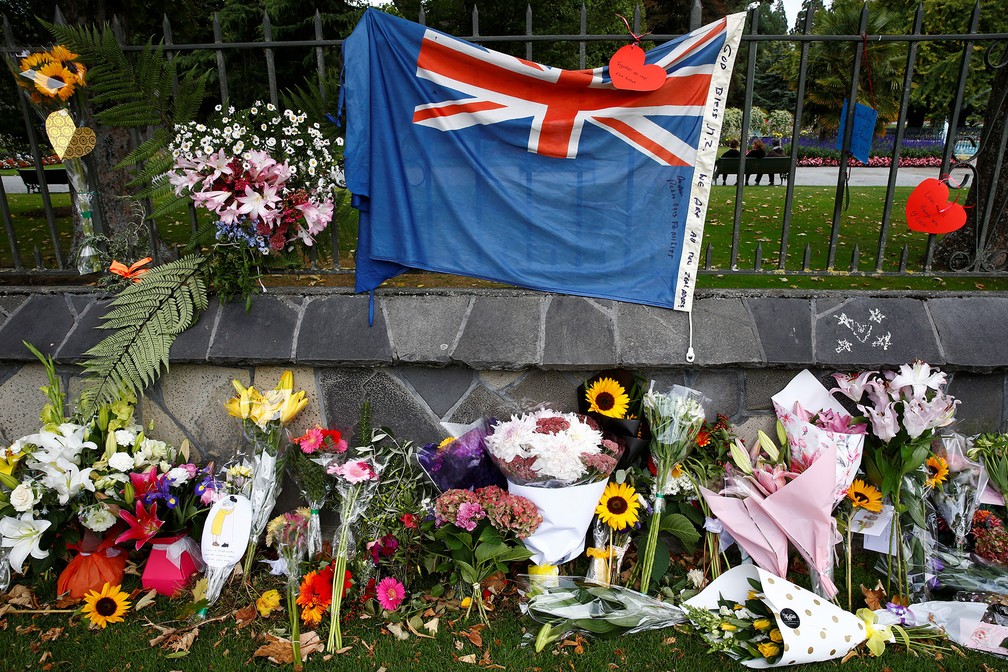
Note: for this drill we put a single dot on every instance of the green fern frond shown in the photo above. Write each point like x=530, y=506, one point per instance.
x=146, y=317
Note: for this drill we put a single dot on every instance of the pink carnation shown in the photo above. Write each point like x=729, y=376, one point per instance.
x=355, y=471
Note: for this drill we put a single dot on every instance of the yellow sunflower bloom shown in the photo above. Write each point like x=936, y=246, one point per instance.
x=768, y=650
x=61, y=54
x=608, y=397
x=35, y=60
x=619, y=506
x=106, y=607
x=864, y=496
x=55, y=80
x=937, y=469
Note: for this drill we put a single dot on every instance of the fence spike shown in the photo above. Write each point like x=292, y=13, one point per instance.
x=806, y=263
x=696, y=15
x=58, y=16
x=759, y=257
x=903, y=258
x=38, y=257
x=475, y=21
x=422, y=18
x=707, y=257
x=855, y=259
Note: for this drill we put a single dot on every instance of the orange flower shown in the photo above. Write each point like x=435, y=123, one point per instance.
x=315, y=595
x=55, y=80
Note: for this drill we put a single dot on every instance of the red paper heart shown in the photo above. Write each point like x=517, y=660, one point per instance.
x=628, y=70
x=928, y=209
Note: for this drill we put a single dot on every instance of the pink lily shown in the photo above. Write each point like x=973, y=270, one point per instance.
x=771, y=479
x=142, y=527
x=854, y=385
x=144, y=483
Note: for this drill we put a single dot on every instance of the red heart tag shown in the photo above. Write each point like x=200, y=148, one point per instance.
x=928, y=209
x=628, y=70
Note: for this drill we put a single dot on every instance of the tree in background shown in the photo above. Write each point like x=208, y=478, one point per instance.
x=830, y=65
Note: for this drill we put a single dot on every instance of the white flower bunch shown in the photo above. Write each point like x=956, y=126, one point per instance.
x=545, y=445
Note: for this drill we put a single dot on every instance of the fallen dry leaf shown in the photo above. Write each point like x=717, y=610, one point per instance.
x=183, y=642
x=22, y=596
x=468, y=658
x=474, y=636
x=66, y=600
x=51, y=634
x=276, y=650
x=850, y=654
x=200, y=589
x=874, y=597
x=431, y=626
x=397, y=630
x=132, y=568
x=310, y=643
x=245, y=615
x=145, y=601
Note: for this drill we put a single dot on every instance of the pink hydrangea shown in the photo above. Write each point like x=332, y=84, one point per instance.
x=469, y=513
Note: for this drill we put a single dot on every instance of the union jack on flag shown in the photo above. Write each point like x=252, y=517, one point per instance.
x=469, y=161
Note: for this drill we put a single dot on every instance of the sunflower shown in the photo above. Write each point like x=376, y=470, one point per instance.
x=864, y=496
x=53, y=79
x=607, y=397
x=106, y=607
x=62, y=54
x=32, y=61
x=618, y=506
x=937, y=469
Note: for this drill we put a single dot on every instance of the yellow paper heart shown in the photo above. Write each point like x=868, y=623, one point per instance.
x=68, y=141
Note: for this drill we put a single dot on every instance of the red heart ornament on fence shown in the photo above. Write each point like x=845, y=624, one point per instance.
x=928, y=209
x=629, y=72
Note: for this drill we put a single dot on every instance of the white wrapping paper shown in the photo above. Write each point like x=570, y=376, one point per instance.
x=566, y=515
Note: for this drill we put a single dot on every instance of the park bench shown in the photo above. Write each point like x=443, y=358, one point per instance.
x=771, y=165
x=52, y=176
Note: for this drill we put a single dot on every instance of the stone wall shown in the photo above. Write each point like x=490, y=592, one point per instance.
x=457, y=355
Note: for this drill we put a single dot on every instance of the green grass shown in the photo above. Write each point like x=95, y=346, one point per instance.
x=63, y=642
x=761, y=225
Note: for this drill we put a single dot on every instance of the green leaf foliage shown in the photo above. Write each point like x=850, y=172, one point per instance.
x=680, y=527
x=146, y=318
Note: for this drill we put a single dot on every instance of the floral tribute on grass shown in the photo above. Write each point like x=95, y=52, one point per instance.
x=107, y=606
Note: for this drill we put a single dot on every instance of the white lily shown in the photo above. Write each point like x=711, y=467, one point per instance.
x=66, y=483
x=918, y=376
x=22, y=535
x=60, y=448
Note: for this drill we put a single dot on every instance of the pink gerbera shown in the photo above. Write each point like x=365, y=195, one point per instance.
x=390, y=593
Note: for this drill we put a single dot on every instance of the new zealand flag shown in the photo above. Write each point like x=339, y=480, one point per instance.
x=464, y=160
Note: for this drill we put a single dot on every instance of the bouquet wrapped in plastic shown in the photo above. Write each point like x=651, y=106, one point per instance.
x=263, y=417
x=960, y=496
x=356, y=483
x=575, y=604
x=288, y=533
x=561, y=462
x=462, y=462
x=312, y=454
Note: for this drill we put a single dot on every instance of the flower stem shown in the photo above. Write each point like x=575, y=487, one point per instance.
x=647, y=564
x=849, y=549
x=335, y=633
x=295, y=621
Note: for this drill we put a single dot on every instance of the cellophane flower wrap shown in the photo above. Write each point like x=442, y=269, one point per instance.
x=288, y=534
x=675, y=419
x=461, y=462
x=577, y=605
x=561, y=462
x=905, y=408
x=263, y=416
x=481, y=532
x=958, y=500
x=356, y=481
x=307, y=463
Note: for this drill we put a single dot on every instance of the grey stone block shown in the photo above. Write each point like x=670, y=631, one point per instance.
x=11, y=302
x=21, y=402
x=721, y=387
x=747, y=427
x=761, y=384
x=440, y=389
x=873, y=331
x=578, y=333
x=423, y=329
x=723, y=333
x=43, y=320
x=650, y=337
x=784, y=327
x=335, y=330
x=193, y=344
x=555, y=389
x=970, y=329
x=263, y=335
x=502, y=332
x=79, y=303
x=481, y=403
x=981, y=397
x=664, y=379
x=392, y=405
x=86, y=332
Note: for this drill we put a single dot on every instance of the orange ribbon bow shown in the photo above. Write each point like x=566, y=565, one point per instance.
x=133, y=272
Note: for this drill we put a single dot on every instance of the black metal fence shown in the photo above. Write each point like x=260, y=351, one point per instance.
x=744, y=253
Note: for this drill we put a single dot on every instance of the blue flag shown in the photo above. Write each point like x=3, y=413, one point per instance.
x=464, y=160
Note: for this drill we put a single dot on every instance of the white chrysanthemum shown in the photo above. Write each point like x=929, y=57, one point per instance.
x=509, y=438
x=125, y=437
